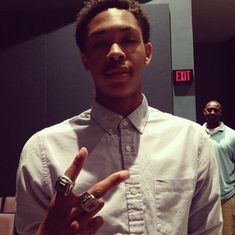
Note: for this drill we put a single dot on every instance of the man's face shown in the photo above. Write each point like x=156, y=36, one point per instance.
x=115, y=54
x=213, y=112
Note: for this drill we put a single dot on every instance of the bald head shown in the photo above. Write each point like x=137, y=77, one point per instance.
x=213, y=113
x=214, y=103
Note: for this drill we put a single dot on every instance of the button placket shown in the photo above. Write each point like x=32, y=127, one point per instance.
x=133, y=191
x=135, y=202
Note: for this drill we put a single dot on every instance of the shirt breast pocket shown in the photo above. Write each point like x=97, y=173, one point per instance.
x=173, y=200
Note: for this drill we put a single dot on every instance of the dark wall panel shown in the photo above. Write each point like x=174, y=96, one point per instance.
x=22, y=72
x=24, y=84
x=69, y=87
x=214, y=64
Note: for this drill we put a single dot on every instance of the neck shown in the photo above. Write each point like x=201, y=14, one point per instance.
x=212, y=125
x=122, y=106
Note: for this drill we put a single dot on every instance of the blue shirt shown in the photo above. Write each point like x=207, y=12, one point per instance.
x=173, y=186
x=223, y=139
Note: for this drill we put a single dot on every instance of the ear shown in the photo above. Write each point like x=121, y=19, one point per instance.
x=221, y=112
x=84, y=61
x=148, y=52
x=204, y=112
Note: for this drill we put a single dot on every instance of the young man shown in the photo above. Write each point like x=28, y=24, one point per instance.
x=171, y=186
x=223, y=139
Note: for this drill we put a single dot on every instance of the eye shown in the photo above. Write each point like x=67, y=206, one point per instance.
x=130, y=40
x=98, y=44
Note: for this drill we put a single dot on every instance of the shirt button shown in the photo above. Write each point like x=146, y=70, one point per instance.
x=125, y=123
x=159, y=227
x=128, y=148
x=134, y=190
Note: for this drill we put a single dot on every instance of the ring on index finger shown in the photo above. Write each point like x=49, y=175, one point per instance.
x=88, y=202
x=64, y=185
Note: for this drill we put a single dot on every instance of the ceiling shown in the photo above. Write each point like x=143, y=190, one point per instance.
x=213, y=21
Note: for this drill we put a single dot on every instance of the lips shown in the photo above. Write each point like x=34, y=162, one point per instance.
x=118, y=73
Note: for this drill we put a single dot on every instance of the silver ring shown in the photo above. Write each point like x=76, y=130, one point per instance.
x=88, y=202
x=64, y=185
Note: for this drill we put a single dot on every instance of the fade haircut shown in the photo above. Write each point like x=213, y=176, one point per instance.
x=93, y=7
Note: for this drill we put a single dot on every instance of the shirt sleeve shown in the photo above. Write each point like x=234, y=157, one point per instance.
x=233, y=142
x=32, y=192
x=205, y=212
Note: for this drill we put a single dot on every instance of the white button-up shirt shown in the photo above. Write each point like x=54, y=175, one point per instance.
x=173, y=186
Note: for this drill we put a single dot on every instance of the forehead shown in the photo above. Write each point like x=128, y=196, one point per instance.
x=213, y=105
x=111, y=19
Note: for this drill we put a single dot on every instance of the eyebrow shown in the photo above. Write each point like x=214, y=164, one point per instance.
x=104, y=31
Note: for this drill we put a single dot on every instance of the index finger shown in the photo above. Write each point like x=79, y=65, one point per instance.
x=72, y=172
x=65, y=183
x=77, y=164
x=102, y=187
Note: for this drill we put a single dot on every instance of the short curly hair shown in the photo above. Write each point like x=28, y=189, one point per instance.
x=93, y=7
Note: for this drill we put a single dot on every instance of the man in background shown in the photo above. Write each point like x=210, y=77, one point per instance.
x=223, y=139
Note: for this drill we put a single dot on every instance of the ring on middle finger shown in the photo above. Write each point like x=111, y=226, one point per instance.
x=88, y=202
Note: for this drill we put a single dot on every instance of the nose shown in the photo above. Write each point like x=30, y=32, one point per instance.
x=213, y=113
x=115, y=53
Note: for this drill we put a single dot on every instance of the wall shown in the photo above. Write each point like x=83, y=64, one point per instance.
x=182, y=54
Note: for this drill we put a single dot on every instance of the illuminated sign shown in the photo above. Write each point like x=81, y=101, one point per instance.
x=183, y=76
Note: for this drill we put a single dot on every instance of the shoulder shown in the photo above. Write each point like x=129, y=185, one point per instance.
x=177, y=129
x=60, y=130
x=173, y=121
x=229, y=133
x=68, y=124
x=187, y=136
x=229, y=129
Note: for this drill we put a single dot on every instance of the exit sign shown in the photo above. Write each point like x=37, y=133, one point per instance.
x=183, y=76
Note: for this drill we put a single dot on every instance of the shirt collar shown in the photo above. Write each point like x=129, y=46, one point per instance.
x=109, y=120
x=220, y=128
